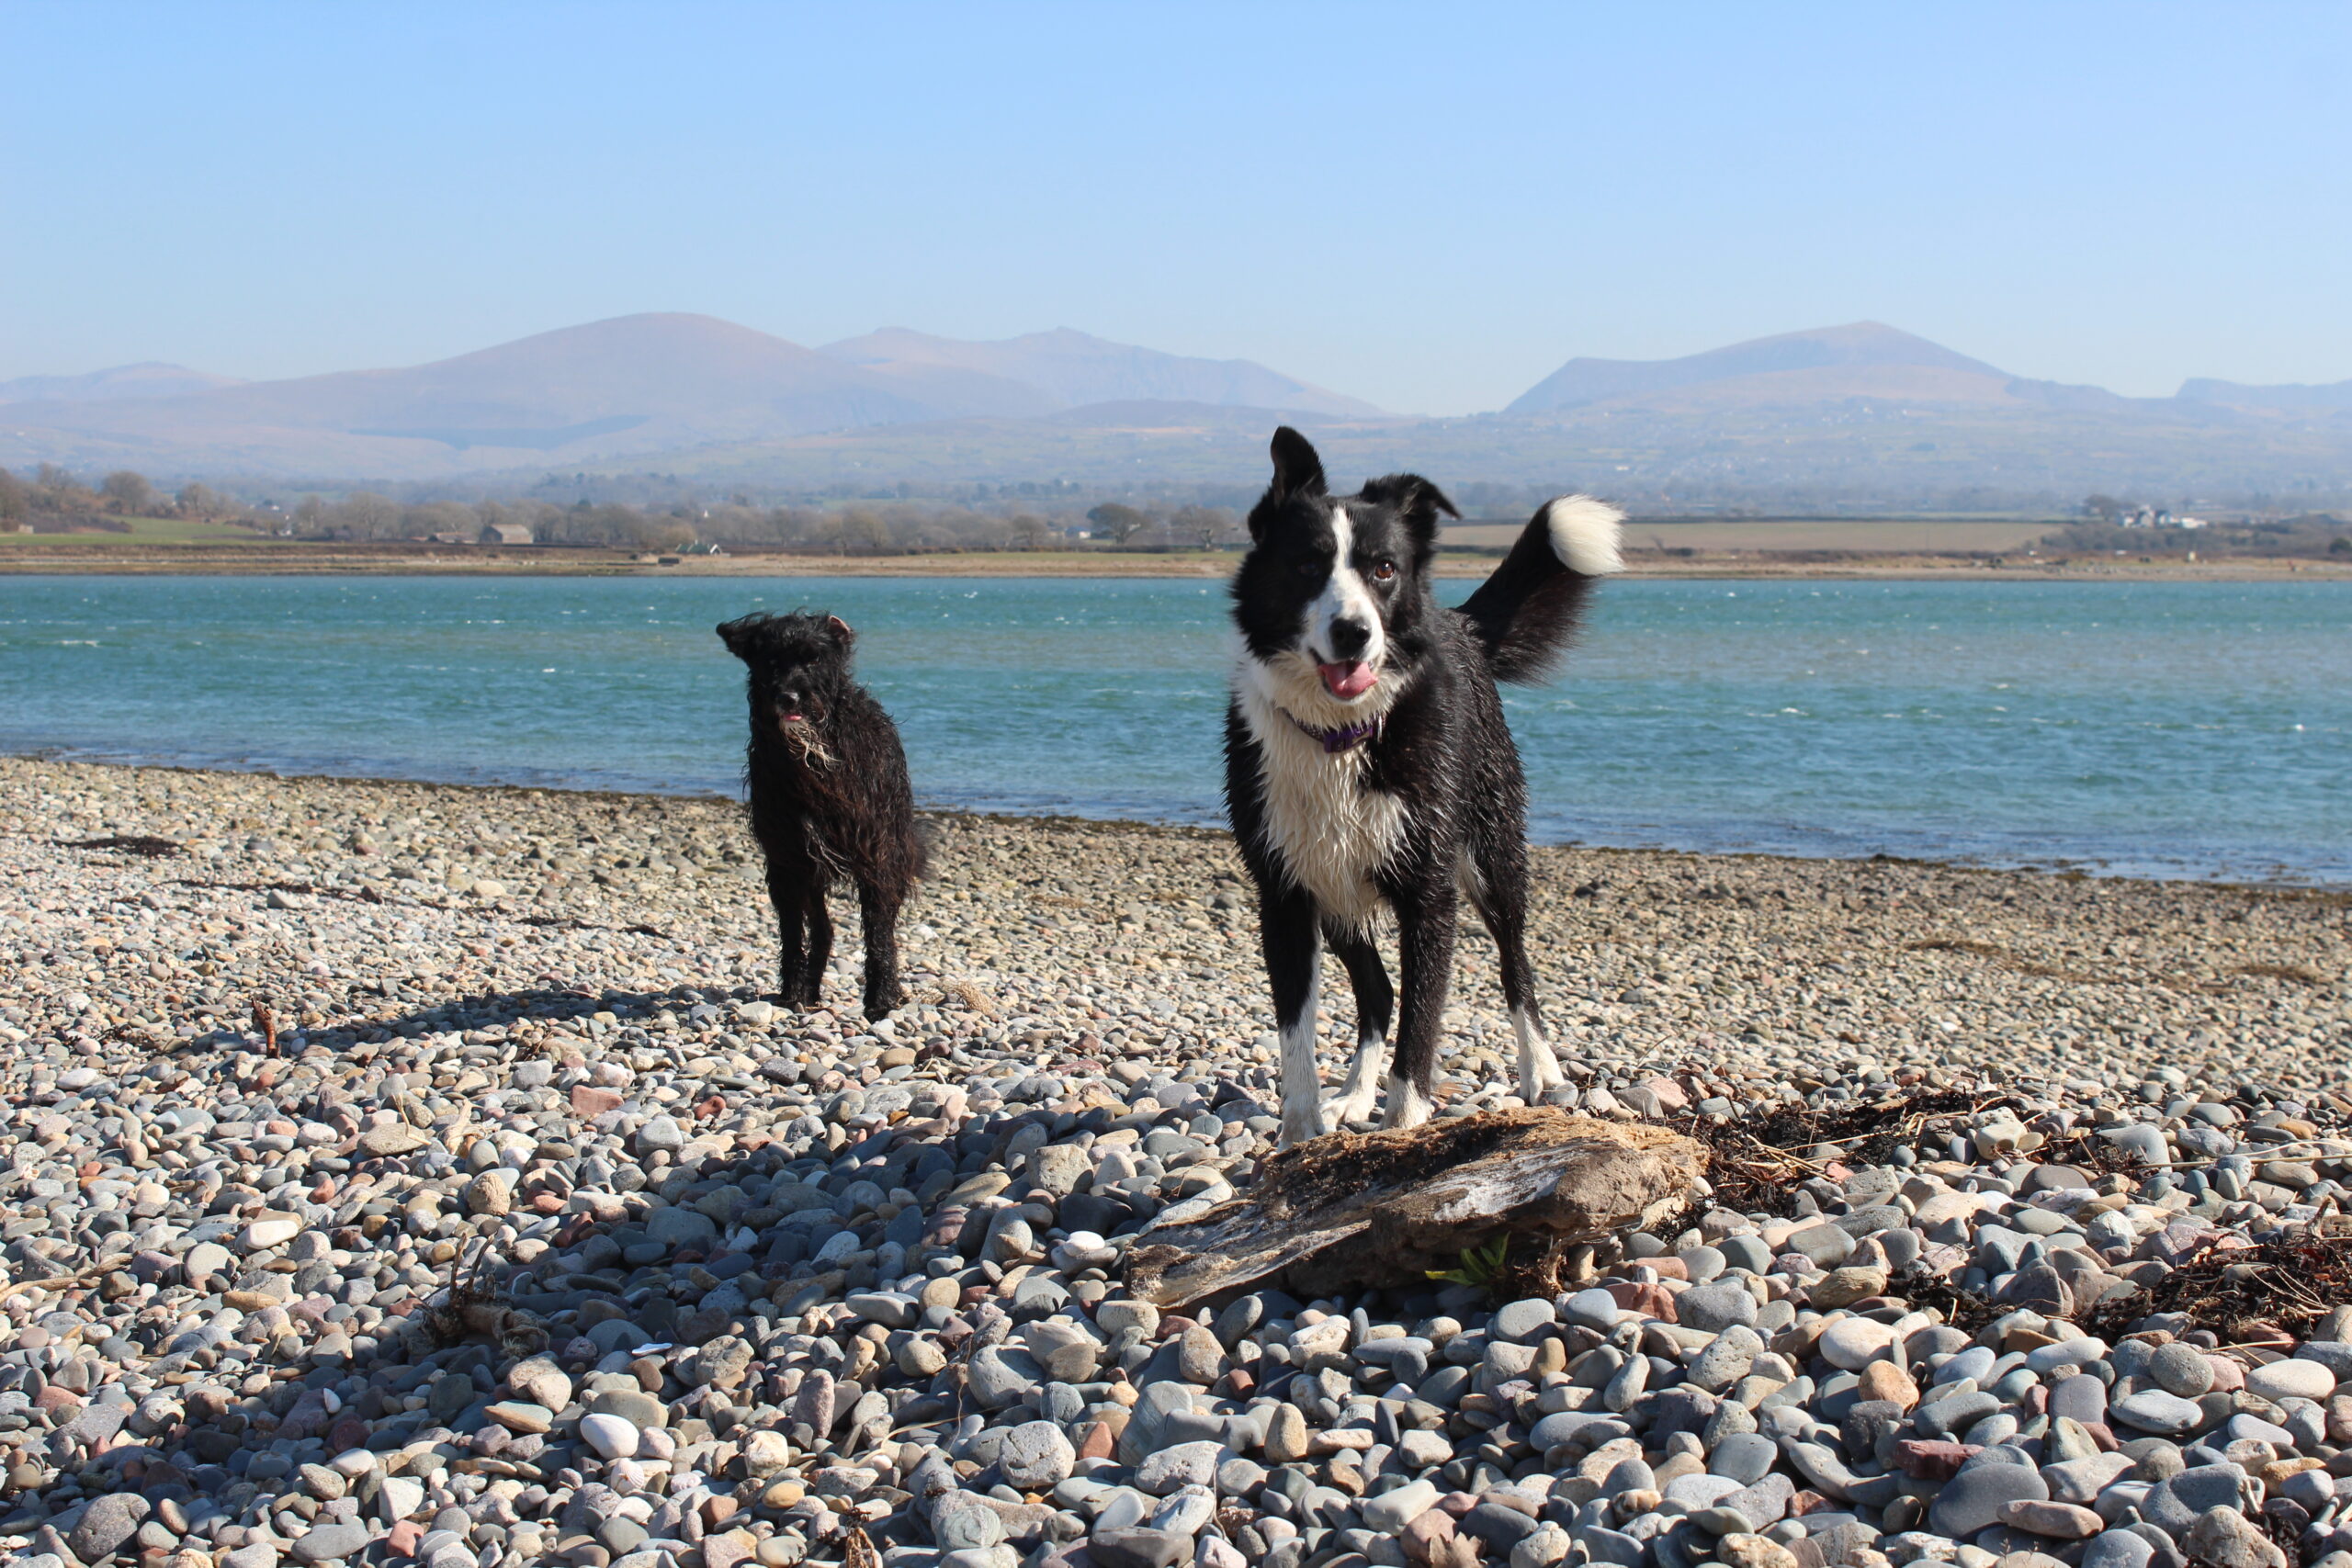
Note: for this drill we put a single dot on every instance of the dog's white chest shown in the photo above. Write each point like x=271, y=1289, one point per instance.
x=1330, y=832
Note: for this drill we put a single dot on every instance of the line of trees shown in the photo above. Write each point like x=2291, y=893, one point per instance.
x=1200, y=527
x=50, y=499
x=873, y=528
x=2315, y=534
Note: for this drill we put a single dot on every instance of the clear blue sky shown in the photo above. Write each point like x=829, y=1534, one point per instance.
x=1428, y=206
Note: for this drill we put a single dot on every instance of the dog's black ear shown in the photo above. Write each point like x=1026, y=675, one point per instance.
x=736, y=636
x=838, y=629
x=1416, y=499
x=1297, y=470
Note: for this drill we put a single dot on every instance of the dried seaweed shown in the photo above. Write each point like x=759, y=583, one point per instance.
x=565, y=922
x=2024, y=965
x=307, y=889
x=2247, y=1293
x=1534, y=1265
x=2294, y=972
x=1963, y=1309
x=964, y=993
x=1757, y=1166
x=2284, y=1521
x=2085, y=1149
x=475, y=1307
x=129, y=844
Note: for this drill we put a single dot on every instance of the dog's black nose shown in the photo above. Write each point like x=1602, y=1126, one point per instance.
x=1350, y=639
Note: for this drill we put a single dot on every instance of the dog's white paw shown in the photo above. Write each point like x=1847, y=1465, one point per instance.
x=1358, y=1100
x=1304, y=1128
x=1539, y=1067
x=1407, y=1107
x=1539, y=1070
x=1304, y=1112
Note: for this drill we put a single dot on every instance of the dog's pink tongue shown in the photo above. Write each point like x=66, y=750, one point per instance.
x=1347, y=680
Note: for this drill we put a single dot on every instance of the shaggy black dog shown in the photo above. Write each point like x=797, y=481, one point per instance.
x=830, y=799
x=1368, y=765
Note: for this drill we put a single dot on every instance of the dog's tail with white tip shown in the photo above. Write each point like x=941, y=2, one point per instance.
x=1526, y=613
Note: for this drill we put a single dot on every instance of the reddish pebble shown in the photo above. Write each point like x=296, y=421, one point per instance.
x=2060, y=1521
x=587, y=1100
x=1670, y=1095
x=1421, y=1534
x=401, y=1541
x=1651, y=1301
x=1931, y=1460
x=1096, y=1441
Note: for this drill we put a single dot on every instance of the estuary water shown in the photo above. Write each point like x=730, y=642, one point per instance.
x=2193, y=729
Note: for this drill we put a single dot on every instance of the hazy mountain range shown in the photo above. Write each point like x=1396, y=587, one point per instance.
x=635, y=385
x=1859, y=412
x=152, y=380
x=1073, y=370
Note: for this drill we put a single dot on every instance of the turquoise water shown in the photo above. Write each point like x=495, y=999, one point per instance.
x=2184, y=729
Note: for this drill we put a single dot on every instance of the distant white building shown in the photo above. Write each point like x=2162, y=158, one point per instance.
x=506, y=533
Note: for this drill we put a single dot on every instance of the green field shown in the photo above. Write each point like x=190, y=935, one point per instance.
x=150, y=531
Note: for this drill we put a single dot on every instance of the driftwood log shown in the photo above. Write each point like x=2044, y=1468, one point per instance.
x=1386, y=1208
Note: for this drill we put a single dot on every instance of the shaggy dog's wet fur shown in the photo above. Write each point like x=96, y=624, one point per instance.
x=830, y=799
x=1368, y=765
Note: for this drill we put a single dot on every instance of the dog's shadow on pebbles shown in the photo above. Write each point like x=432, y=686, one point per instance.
x=572, y=1276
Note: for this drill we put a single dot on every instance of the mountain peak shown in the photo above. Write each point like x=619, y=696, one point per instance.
x=1074, y=368
x=1856, y=344
x=656, y=332
x=2287, y=397
x=147, y=379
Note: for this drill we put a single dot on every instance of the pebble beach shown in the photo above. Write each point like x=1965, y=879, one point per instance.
x=396, y=1173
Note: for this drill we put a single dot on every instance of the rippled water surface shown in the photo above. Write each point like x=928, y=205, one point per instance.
x=2169, y=729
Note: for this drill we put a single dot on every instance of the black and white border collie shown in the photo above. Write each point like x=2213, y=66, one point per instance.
x=1367, y=762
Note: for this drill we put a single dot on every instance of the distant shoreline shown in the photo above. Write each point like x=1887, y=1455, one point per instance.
x=52, y=555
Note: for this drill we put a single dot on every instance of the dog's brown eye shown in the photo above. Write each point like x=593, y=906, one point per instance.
x=1383, y=572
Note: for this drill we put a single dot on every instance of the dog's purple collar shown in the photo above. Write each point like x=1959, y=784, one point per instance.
x=1345, y=739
